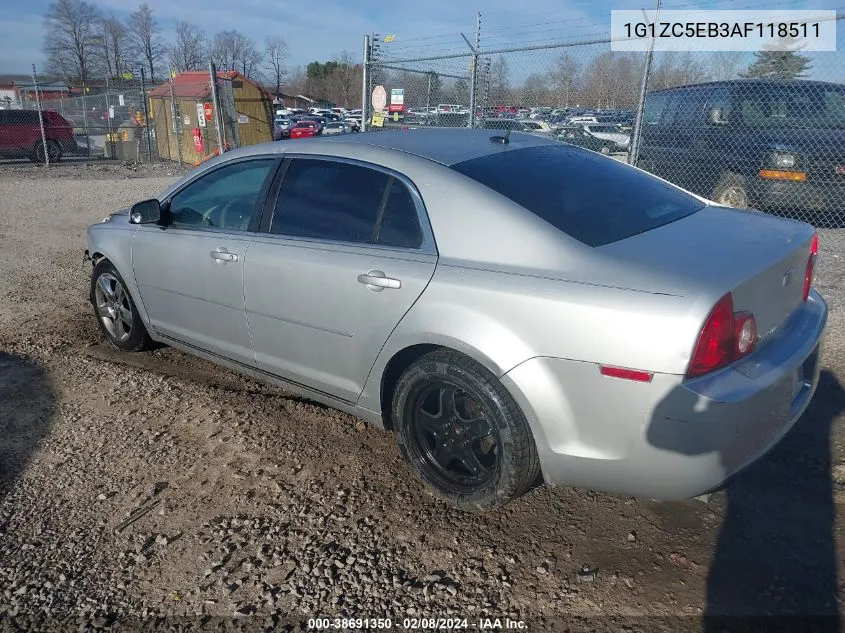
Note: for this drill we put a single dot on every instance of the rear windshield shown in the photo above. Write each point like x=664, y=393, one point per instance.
x=594, y=199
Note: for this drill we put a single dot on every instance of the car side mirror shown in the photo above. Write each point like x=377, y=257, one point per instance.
x=145, y=212
x=714, y=117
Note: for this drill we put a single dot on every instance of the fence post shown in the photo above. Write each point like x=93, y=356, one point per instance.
x=365, y=97
x=85, y=121
x=40, y=117
x=177, y=126
x=634, y=152
x=110, y=122
x=215, y=103
x=473, y=87
x=146, y=114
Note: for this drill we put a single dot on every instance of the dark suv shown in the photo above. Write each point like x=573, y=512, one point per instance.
x=774, y=145
x=20, y=135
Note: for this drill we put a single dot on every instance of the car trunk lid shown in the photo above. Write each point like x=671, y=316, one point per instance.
x=760, y=259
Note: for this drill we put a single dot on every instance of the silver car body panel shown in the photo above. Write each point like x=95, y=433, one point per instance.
x=537, y=308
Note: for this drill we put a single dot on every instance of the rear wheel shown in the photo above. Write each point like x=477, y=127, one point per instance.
x=462, y=433
x=731, y=191
x=116, y=313
x=54, y=152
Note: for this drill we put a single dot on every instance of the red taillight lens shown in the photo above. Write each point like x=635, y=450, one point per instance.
x=811, y=265
x=715, y=347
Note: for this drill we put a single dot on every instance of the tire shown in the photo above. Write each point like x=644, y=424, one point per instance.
x=54, y=151
x=427, y=425
x=110, y=298
x=731, y=191
x=605, y=150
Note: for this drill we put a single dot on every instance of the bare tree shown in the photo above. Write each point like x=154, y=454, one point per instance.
x=500, y=92
x=564, y=79
x=111, y=51
x=232, y=50
x=145, y=37
x=344, y=79
x=71, y=37
x=188, y=49
x=276, y=52
x=726, y=64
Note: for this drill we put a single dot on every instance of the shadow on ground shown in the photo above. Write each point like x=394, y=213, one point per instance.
x=27, y=409
x=774, y=566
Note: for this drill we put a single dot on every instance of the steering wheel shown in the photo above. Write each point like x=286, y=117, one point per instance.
x=236, y=214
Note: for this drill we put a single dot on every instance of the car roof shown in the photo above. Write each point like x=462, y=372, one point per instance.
x=444, y=145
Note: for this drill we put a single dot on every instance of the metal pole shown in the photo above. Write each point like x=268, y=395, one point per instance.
x=146, y=113
x=40, y=117
x=177, y=125
x=365, y=82
x=474, y=76
x=428, y=99
x=85, y=121
x=108, y=118
x=634, y=153
x=215, y=104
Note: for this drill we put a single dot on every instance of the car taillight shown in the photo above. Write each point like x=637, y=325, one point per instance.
x=811, y=265
x=726, y=336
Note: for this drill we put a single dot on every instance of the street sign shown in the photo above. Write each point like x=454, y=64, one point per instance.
x=200, y=115
x=378, y=119
x=397, y=96
x=379, y=98
x=209, y=113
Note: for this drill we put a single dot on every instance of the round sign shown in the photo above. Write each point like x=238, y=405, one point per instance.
x=379, y=98
x=209, y=113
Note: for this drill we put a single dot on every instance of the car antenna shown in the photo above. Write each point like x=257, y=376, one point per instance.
x=504, y=140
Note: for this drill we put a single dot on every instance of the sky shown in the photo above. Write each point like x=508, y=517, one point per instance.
x=321, y=30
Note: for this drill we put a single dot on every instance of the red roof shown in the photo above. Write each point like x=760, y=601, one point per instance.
x=193, y=84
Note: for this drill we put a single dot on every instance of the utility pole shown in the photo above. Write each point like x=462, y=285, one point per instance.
x=634, y=152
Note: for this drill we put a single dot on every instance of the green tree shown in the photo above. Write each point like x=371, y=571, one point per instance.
x=779, y=61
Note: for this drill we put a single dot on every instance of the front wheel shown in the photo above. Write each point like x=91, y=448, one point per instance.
x=54, y=152
x=462, y=432
x=605, y=150
x=731, y=191
x=116, y=313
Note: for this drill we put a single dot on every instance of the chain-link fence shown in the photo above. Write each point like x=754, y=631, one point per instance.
x=764, y=130
x=187, y=119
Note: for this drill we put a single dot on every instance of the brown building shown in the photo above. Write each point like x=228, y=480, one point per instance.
x=245, y=111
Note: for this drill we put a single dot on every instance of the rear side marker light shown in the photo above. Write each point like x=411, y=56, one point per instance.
x=626, y=374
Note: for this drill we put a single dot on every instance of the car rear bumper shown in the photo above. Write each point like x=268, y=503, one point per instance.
x=785, y=195
x=670, y=438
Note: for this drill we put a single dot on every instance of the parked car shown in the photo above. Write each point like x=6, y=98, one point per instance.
x=305, y=129
x=20, y=135
x=516, y=125
x=337, y=127
x=612, y=132
x=772, y=145
x=354, y=122
x=580, y=332
x=281, y=127
x=577, y=135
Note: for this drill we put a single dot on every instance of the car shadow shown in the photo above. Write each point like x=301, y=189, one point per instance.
x=27, y=410
x=774, y=565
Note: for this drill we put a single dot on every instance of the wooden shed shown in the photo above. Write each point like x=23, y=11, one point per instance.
x=245, y=110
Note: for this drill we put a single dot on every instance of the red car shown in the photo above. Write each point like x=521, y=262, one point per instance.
x=20, y=135
x=304, y=129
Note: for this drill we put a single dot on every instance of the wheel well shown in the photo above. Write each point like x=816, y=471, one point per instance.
x=395, y=366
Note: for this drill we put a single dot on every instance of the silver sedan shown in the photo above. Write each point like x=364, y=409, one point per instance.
x=514, y=309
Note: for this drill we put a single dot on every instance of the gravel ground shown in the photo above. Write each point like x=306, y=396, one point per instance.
x=156, y=491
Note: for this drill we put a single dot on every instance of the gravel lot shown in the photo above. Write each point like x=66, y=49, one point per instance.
x=156, y=491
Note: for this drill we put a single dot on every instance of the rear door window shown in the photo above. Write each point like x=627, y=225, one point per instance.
x=590, y=198
x=654, y=106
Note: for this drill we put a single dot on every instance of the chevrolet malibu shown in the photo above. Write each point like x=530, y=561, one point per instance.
x=513, y=308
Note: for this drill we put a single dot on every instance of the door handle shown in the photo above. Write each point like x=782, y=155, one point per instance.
x=377, y=281
x=221, y=255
